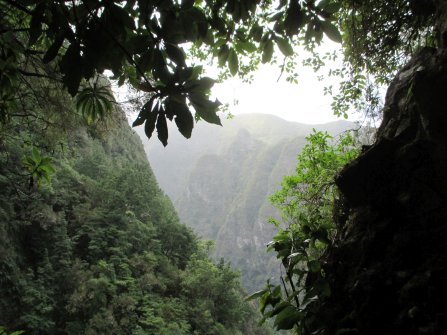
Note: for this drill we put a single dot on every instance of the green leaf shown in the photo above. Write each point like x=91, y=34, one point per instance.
x=256, y=295
x=267, y=52
x=247, y=46
x=331, y=31
x=314, y=266
x=35, y=154
x=256, y=32
x=332, y=7
x=222, y=56
x=278, y=308
x=322, y=235
x=284, y=46
x=233, y=62
x=287, y=318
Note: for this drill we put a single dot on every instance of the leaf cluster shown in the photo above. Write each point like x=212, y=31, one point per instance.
x=306, y=201
x=143, y=43
x=39, y=167
x=101, y=249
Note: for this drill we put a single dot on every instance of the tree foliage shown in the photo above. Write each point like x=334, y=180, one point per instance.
x=158, y=47
x=98, y=248
x=307, y=201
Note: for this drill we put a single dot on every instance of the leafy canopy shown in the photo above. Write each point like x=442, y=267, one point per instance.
x=143, y=43
x=307, y=201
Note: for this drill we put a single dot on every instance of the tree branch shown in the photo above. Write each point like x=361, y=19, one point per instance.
x=19, y=6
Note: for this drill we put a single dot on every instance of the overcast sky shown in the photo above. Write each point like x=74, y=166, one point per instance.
x=303, y=102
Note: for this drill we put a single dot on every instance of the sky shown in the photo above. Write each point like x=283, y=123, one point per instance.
x=303, y=102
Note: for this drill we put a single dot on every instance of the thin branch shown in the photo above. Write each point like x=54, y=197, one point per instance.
x=17, y=30
x=35, y=74
x=19, y=6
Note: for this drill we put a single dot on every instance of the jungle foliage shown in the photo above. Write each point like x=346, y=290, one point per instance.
x=90, y=245
x=143, y=43
x=47, y=45
x=307, y=201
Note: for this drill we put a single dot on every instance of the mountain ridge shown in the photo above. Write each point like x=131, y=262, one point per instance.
x=221, y=178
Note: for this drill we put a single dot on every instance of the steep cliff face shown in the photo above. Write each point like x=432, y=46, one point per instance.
x=388, y=269
x=220, y=181
x=101, y=250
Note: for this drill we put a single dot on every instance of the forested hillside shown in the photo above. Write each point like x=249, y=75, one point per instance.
x=67, y=262
x=100, y=249
x=221, y=179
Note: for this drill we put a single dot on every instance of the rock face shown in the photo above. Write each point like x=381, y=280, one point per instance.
x=388, y=269
x=220, y=181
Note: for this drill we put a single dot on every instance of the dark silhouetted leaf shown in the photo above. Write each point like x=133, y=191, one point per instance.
x=36, y=24
x=159, y=67
x=145, y=61
x=176, y=54
x=53, y=49
x=205, y=108
x=71, y=67
x=200, y=85
x=144, y=113
x=162, y=129
x=149, y=126
x=183, y=119
x=122, y=16
x=294, y=18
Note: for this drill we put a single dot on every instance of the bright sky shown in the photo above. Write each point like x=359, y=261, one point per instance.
x=303, y=102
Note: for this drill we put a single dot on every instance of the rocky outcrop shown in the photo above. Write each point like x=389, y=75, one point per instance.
x=387, y=270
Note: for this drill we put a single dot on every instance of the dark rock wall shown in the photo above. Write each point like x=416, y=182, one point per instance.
x=387, y=270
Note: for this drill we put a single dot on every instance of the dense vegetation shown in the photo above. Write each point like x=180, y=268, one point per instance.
x=96, y=247
x=308, y=201
x=243, y=163
x=143, y=43
x=395, y=192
